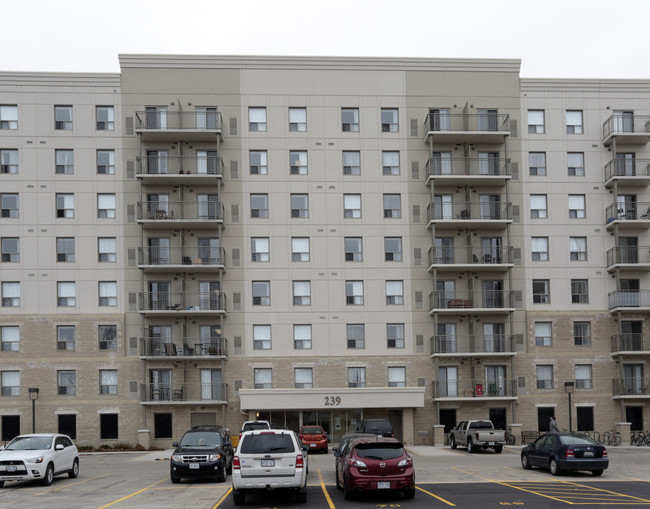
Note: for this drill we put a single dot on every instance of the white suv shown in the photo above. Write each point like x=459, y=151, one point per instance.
x=269, y=459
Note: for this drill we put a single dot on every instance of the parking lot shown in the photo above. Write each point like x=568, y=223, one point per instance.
x=444, y=478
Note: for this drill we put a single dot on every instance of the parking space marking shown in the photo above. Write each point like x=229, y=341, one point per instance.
x=436, y=496
x=224, y=497
x=68, y=484
x=133, y=494
x=327, y=495
x=566, y=492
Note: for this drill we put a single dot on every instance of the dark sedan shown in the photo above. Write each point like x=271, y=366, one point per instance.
x=565, y=451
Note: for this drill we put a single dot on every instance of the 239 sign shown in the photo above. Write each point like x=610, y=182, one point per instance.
x=332, y=400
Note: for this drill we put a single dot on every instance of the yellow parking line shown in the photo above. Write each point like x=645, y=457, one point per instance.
x=322, y=485
x=607, y=491
x=535, y=493
x=68, y=484
x=436, y=496
x=225, y=496
x=133, y=494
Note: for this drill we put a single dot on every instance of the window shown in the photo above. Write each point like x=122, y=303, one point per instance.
x=66, y=294
x=260, y=249
x=64, y=162
x=577, y=206
x=63, y=118
x=298, y=162
x=106, y=206
x=351, y=162
x=107, y=335
x=535, y=121
x=8, y=205
x=389, y=123
x=447, y=382
x=353, y=249
x=10, y=248
x=65, y=249
x=539, y=246
x=263, y=378
x=66, y=383
x=10, y=338
x=579, y=291
x=106, y=162
x=390, y=163
x=395, y=335
x=350, y=119
x=537, y=163
x=298, y=120
x=303, y=377
x=396, y=377
x=65, y=205
x=258, y=162
x=208, y=162
x=355, y=334
x=578, y=248
x=156, y=117
x=261, y=293
x=541, y=291
x=356, y=377
x=488, y=119
x=65, y=337
x=107, y=249
x=108, y=293
x=538, y=206
x=544, y=377
x=354, y=293
x=207, y=117
x=257, y=119
x=10, y=294
x=394, y=292
x=583, y=376
x=10, y=383
x=393, y=249
x=352, y=206
x=574, y=122
x=300, y=249
x=301, y=293
x=108, y=381
x=108, y=426
x=302, y=337
x=105, y=118
x=392, y=206
x=261, y=337
x=260, y=205
x=582, y=333
x=8, y=117
x=9, y=161
x=576, y=164
x=300, y=205
x=543, y=334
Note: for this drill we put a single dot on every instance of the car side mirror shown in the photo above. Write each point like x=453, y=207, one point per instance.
x=59, y=447
x=174, y=444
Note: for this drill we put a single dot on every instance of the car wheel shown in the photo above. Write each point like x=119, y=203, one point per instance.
x=221, y=476
x=238, y=497
x=301, y=496
x=498, y=449
x=49, y=475
x=409, y=492
x=555, y=469
x=75, y=469
x=597, y=473
x=175, y=479
x=525, y=463
x=452, y=442
x=470, y=446
x=347, y=492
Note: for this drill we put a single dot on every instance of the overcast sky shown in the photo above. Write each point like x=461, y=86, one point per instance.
x=553, y=38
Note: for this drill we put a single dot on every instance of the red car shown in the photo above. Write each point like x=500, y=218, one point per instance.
x=314, y=437
x=376, y=463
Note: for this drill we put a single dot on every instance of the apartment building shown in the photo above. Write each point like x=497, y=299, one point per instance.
x=209, y=239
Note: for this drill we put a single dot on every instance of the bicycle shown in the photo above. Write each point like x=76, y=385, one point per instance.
x=510, y=438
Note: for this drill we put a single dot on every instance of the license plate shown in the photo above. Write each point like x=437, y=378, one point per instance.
x=11, y=468
x=490, y=443
x=312, y=445
x=383, y=485
x=589, y=454
x=194, y=466
x=268, y=463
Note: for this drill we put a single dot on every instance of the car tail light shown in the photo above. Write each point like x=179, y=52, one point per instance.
x=301, y=436
x=240, y=435
x=405, y=462
x=605, y=453
x=569, y=453
x=300, y=461
x=235, y=463
x=477, y=436
x=323, y=437
x=357, y=463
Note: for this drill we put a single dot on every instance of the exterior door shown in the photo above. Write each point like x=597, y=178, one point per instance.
x=488, y=163
x=494, y=337
x=157, y=162
x=633, y=378
x=441, y=163
x=492, y=293
x=207, y=204
x=158, y=251
x=629, y=249
x=207, y=162
x=448, y=381
x=498, y=418
x=446, y=341
x=625, y=164
x=211, y=384
x=631, y=336
x=490, y=205
x=490, y=249
x=495, y=377
x=444, y=250
x=209, y=250
x=446, y=291
x=161, y=384
x=442, y=206
x=440, y=119
x=159, y=295
x=209, y=295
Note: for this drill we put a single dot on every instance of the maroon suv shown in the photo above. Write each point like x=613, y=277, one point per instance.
x=376, y=463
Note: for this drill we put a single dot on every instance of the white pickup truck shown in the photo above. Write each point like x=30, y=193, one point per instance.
x=477, y=435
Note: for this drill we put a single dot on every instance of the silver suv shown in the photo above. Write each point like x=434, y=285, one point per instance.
x=269, y=459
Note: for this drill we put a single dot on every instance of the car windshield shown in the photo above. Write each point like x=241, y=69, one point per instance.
x=255, y=425
x=380, y=426
x=29, y=444
x=312, y=430
x=380, y=451
x=266, y=443
x=577, y=440
x=481, y=425
x=201, y=439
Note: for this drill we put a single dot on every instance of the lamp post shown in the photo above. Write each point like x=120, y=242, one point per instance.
x=33, y=395
x=568, y=388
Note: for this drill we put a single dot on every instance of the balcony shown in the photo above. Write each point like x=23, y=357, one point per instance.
x=630, y=343
x=469, y=214
x=628, y=258
x=178, y=125
x=628, y=215
x=468, y=171
x=182, y=303
x=183, y=348
x=174, y=170
x=476, y=390
x=467, y=127
x=471, y=258
x=474, y=345
x=179, y=214
x=215, y=393
x=628, y=129
x=472, y=302
x=182, y=259
x=627, y=172
x=634, y=388
x=630, y=300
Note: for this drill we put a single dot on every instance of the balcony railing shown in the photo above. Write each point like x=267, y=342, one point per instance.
x=468, y=344
x=183, y=347
x=482, y=122
x=469, y=211
x=634, y=386
x=216, y=392
x=476, y=388
x=180, y=211
x=622, y=124
x=477, y=299
x=182, y=301
x=174, y=165
x=179, y=120
x=194, y=256
x=627, y=168
x=637, y=211
x=470, y=255
x=628, y=299
x=472, y=166
x=630, y=342
x=628, y=254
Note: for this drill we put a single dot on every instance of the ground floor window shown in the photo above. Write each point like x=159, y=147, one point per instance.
x=162, y=425
x=68, y=425
x=585, y=415
x=10, y=427
x=634, y=415
x=108, y=426
x=544, y=415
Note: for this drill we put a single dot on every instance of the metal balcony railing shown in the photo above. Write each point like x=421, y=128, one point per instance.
x=216, y=392
x=475, y=388
x=476, y=255
x=213, y=256
x=469, y=211
x=630, y=342
x=477, y=299
x=487, y=122
x=633, y=386
x=473, y=343
x=183, y=347
x=628, y=254
x=179, y=210
x=179, y=120
x=623, y=124
x=437, y=167
x=628, y=211
x=182, y=301
x=628, y=299
x=157, y=165
x=627, y=168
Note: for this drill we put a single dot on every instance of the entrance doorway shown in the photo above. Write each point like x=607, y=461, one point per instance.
x=10, y=427
x=448, y=418
x=68, y=425
x=544, y=415
x=498, y=417
x=633, y=414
